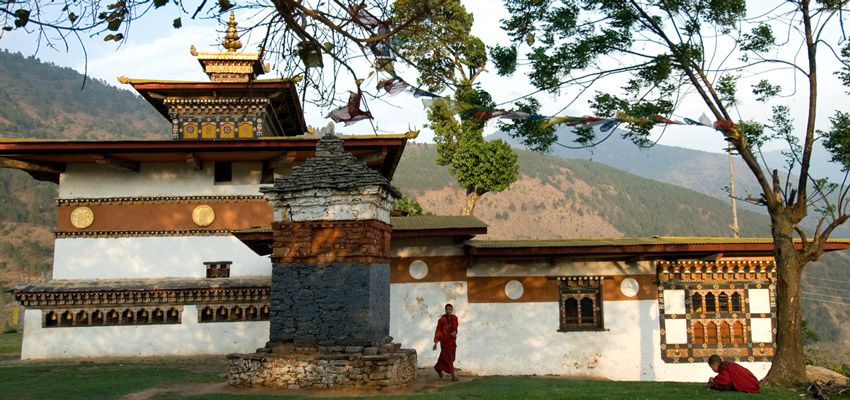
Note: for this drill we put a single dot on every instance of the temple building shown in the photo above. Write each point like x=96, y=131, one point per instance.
x=170, y=248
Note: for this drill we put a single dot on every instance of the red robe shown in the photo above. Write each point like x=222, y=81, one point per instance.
x=446, y=326
x=732, y=376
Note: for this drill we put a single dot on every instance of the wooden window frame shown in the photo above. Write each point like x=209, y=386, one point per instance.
x=581, y=288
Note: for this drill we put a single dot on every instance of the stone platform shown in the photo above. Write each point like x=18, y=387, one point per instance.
x=324, y=367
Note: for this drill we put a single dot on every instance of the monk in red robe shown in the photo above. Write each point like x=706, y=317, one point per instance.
x=446, y=335
x=731, y=376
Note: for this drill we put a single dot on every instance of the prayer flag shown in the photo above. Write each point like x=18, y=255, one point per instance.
x=351, y=112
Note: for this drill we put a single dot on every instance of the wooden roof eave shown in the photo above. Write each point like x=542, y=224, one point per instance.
x=156, y=91
x=695, y=250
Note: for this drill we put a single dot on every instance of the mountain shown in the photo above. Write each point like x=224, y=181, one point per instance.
x=40, y=100
x=557, y=197
x=701, y=171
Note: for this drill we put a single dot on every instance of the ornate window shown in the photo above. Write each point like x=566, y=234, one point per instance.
x=581, y=304
x=717, y=307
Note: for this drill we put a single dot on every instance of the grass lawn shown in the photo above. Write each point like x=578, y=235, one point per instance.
x=91, y=381
x=10, y=345
x=500, y=387
x=182, y=379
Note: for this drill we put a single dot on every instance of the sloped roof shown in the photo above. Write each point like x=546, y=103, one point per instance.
x=331, y=168
x=428, y=222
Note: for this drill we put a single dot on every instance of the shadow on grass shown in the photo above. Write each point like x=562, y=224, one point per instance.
x=91, y=381
x=533, y=388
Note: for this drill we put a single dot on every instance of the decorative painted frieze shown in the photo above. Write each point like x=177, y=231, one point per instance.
x=725, y=307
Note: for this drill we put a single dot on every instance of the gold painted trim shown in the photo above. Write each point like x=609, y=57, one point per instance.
x=203, y=215
x=124, y=234
x=82, y=217
x=155, y=199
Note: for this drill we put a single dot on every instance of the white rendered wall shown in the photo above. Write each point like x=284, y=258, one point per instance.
x=522, y=338
x=156, y=179
x=371, y=202
x=153, y=257
x=184, y=339
x=414, y=310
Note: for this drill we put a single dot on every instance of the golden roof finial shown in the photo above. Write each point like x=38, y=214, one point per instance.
x=231, y=39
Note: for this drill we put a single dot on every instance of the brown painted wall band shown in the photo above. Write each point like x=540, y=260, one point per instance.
x=491, y=289
x=440, y=269
x=168, y=216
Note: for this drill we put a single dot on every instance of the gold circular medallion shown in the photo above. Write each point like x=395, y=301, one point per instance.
x=203, y=215
x=82, y=217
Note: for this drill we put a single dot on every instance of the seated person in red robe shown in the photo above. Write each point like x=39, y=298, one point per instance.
x=446, y=335
x=731, y=376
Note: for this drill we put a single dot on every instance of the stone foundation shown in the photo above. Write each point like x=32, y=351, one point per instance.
x=324, y=367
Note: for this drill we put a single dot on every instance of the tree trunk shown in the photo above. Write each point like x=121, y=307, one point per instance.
x=788, y=367
x=472, y=198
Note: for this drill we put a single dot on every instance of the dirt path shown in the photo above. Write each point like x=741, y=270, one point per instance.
x=426, y=382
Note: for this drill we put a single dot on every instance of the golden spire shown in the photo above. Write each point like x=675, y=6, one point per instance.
x=231, y=39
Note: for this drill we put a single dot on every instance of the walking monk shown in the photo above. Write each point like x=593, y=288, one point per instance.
x=446, y=335
x=731, y=376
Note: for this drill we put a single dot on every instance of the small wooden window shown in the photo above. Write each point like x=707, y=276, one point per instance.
x=725, y=333
x=710, y=305
x=696, y=303
x=736, y=302
x=218, y=269
x=711, y=333
x=723, y=302
x=699, y=333
x=737, y=332
x=581, y=304
x=223, y=172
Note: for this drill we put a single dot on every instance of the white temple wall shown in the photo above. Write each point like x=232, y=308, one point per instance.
x=153, y=257
x=157, y=179
x=414, y=310
x=188, y=338
x=522, y=338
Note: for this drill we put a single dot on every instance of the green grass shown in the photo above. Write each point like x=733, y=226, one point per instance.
x=10, y=344
x=510, y=388
x=91, y=381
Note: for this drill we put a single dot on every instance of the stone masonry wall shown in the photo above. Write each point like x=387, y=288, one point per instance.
x=363, y=241
x=324, y=367
x=331, y=304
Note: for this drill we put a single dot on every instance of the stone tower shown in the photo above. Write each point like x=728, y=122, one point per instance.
x=330, y=292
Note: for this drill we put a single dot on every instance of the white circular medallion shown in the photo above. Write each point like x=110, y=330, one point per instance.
x=514, y=289
x=629, y=287
x=418, y=269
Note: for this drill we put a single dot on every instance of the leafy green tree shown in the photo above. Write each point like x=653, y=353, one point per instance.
x=665, y=49
x=410, y=206
x=450, y=58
